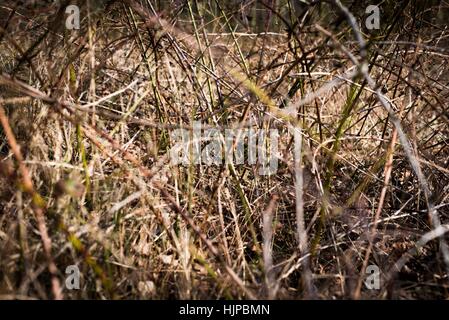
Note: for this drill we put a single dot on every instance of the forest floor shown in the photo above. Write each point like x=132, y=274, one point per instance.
x=356, y=204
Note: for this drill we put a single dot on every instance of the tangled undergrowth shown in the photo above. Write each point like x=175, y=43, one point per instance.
x=85, y=143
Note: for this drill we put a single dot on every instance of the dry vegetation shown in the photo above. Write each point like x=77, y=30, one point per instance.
x=85, y=176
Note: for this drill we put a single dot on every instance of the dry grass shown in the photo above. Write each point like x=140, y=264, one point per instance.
x=91, y=112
